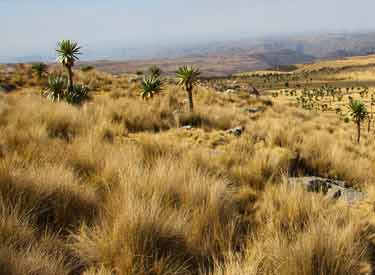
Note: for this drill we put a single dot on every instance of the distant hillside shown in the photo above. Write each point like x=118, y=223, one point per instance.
x=211, y=65
x=228, y=57
x=224, y=58
x=318, y=45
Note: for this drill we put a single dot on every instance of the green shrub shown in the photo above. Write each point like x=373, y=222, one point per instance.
x=56, y=88
x=57, y=91
x=87, y=68
x=78, y=94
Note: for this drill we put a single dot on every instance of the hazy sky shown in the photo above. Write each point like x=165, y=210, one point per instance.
x=30, y=26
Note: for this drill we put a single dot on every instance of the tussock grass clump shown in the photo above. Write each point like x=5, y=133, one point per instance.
x=32, y=261
x=174, y=219
x=301, y=234
x=143, y=240
x=24, y=250
x=52, y=196
x=140, y=116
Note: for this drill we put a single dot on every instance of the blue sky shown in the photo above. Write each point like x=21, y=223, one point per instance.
x=30, y=26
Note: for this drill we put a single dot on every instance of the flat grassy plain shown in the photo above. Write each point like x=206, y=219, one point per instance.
x=116, y=186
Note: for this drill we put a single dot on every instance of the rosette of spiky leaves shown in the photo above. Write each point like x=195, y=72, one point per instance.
x=78, y=94
x=150, y=86
x=55, y=88
x=39, y=69
x=154, y=71
x=188, y=78
x=358, y=112
x=68, y=52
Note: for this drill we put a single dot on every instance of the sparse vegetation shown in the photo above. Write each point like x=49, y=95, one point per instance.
x=87, y=68
x=40, y=69
x=78, y=94
x=358, y=113
x=68, y=52
x=56, y=88
x=115, y=186
x=150, y=85
x=188, y=77
x=60, y=87
x=155, y=71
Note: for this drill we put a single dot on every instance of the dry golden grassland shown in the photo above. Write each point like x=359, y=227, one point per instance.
x=356, y=61
x=115, y=186
x=346, y=72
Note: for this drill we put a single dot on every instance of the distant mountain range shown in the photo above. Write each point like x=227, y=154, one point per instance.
x=223, y=58
x=228, y=57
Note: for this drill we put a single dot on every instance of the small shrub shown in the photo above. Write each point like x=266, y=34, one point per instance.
x=57, y=91
x=149, y=86
x=56, y=88
x=87, y=68
x=78, y=94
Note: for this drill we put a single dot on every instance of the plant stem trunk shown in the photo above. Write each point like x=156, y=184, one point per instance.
x=370, y=117
x=70, y=79
x=190, y=97
x=369, y=125
x=358, y=132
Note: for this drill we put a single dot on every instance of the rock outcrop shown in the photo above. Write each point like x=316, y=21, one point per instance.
x=237, y=131
x=253, y=110
x=332, y=189
x=187, y=127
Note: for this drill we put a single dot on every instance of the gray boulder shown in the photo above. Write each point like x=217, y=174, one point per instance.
x=237, y=131
x=253, y=110
x=332, y=189
x=187, y=127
